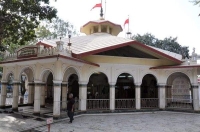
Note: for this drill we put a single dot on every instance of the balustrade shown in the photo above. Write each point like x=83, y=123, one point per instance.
x=149, y=103
x=98, y=104
x=124, y=103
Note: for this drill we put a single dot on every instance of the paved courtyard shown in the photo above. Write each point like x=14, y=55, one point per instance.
x=132, y=122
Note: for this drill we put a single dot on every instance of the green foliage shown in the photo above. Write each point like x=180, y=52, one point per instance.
x=169, y=44
x=19, y=18
x=54, y=29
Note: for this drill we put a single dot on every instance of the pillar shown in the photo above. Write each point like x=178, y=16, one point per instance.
x=42, y=97
x=82, y=96
x=30, y=92
x=15, y=96
x=161, y=96
x=56, y=102
x=99, y=28
x=137, y=97
x=64, y=95
x=108, y=29
x=195, y=90
x=37, y=96
x=3, y=93
x=112, y=97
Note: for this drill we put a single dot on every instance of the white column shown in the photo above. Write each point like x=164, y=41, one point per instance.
x=30, y=92
x=42, y=97
x=195, y=97
x=37, y=96
x=64, y=95
x=3, y=93
x=137, y=97
x=112, y=97
x=161, y=96
x=15, y=96
x=56, y=102
x=82, y=96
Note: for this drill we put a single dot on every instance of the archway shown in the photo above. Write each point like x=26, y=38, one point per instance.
x=49, y=89
x=149, y=92
x=73, y=86
x=26, y=92
x=71, y=77
x=178, y=91
x=125, y=92
x=98, y=91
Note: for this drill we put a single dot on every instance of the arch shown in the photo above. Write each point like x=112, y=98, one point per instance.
x=69, y=71
x=125, y=87
x=149, y=73
x=73, y=85
x=173, y=75
x=45, y=73
x=28, y=70
x=179, y=92
x=97, y=71
x=98, y=88
x=149, y=88
x=116, y=77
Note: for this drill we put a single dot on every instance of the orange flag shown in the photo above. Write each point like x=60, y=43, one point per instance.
x=126, y=22
x=97, y=5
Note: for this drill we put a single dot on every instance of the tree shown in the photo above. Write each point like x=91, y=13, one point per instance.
x=19, y=18
x=169, y=44
x=54, y=29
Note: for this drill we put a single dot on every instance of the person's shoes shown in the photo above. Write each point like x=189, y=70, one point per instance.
x=70, y=122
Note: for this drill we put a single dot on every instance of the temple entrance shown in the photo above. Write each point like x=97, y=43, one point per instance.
x=178, y=91
x=26, y=92
x=49, y=90
x=73, y=87
x=125, y=92
x=98, y=91
x=149, y=92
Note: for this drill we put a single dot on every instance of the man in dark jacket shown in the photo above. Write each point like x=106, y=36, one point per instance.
x=70, y=108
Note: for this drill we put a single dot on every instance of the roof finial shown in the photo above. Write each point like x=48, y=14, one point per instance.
x=101, y=11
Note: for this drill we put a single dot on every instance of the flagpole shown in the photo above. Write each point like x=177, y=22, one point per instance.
x=105, y=11
x=101, y=11
x=128, y=23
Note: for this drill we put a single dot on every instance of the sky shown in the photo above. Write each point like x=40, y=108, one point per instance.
x=162, y=18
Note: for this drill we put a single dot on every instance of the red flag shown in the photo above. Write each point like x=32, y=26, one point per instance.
x=97, y=5
x=126, y=22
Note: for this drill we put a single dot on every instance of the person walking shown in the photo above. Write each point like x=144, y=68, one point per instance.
x=70, y=107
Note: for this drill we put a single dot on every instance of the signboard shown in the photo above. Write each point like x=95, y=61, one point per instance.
x=27, y=52
x=49, y=121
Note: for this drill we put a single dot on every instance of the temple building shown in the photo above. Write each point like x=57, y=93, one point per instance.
x=103, y=71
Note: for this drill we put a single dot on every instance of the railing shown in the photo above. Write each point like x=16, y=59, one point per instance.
x=124, y=103
x=179, y=103
x=149, y=102
x=98, y=104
